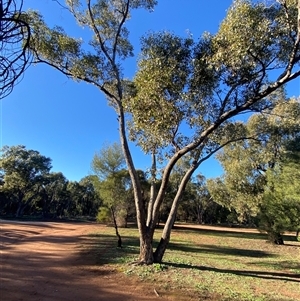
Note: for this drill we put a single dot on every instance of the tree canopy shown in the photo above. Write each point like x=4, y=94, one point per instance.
x=252, y=167
x=27, y=185
x=23, y=173
x=280, y=206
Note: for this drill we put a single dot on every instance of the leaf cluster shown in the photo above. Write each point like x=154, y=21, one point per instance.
x=184, y=87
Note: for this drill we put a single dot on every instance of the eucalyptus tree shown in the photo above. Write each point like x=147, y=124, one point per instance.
x=90, y=199
x=202, y=204
x=14, y=44
x=261, y=175
x=280, y=206
x=53, y=194
x=25, y=174
x=245, y=163
x=180, y=85
x=114, y=182
x=187, y=95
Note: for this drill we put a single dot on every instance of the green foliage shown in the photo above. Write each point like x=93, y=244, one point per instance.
x=110, y=43
x=157, y=106
x=270, y=34
x=104, y=215
x=246, y=162
x=24, y=175
x=280, y=208
x=108, y=161
x=28, y=186
x=114, y=183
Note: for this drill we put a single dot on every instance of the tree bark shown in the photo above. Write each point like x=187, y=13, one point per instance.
x=165, y=238
x=20, y=209
x=275, y=237
x=146, y=248
x=152, y=191
x=116, y=227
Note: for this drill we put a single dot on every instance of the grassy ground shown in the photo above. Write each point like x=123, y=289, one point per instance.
x=209, y=264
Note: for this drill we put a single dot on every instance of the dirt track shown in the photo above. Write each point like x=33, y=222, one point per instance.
x=41, y=261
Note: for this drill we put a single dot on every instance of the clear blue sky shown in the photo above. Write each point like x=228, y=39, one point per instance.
x=69, y=121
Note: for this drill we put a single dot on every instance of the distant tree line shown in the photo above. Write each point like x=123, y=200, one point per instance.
x=28, y=187
x=260, y=185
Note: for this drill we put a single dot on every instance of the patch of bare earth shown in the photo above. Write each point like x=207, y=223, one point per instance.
x=42, y=261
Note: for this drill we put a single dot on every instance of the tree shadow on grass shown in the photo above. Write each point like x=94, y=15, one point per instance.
x=104, y=248
x=217, y=250
x=245, y=273
x=281, y=265
x=225, y=232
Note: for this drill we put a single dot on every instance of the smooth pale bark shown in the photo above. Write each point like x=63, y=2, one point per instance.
x=146, y=235
x=152, y=190
x=165, y=238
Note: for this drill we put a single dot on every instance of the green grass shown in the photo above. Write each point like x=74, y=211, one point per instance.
x=209, y=265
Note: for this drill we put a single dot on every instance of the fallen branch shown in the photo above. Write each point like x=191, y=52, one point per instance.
x=156, y=293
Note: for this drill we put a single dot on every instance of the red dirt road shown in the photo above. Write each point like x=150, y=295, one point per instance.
x=42, y=261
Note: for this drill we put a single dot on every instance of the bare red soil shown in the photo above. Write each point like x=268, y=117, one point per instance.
x=42, y=261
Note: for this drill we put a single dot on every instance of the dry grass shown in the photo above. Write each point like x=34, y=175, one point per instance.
x=210, y=264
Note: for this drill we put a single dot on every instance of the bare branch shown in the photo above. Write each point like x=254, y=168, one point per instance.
x=14, y=46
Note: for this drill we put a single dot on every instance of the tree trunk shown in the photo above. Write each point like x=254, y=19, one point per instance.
x=200, y=213
x=20, y=210
x=146, y=249
x=275, y=238
x=152, y=190
x=165, y=238
x=116, y=227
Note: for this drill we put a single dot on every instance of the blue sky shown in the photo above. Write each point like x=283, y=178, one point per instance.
x=69, y=121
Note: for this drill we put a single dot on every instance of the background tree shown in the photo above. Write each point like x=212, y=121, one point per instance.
x=114, y=191
x=114, y=183
x=28, y=187
x=202, y=205
x=90, y=199
x=25, y=174
x=280, y=206
x=53, y=194
x=205, y=84
x=249, y=164
x=14, y=44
